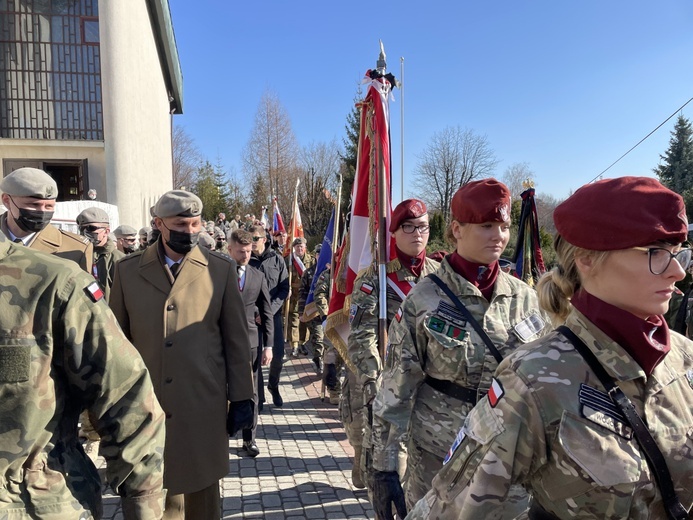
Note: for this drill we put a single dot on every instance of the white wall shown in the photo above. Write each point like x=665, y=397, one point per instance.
x=137, y=125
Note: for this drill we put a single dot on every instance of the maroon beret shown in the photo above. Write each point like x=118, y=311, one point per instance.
x=621, y=213
x=481, y=201
x=410, y=208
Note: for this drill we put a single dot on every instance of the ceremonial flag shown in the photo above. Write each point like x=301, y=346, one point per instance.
x=296, y=225
x=529, y=263
x=311, y=310
x=263, y=218
x=277, y=222
x=358, y=251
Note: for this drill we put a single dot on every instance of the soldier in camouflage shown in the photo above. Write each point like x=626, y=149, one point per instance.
x=315, y=331
x=333, y=362
x=409, y=225
x=437, y=366
x=548, y=423
x=62, y=351
x=297, y=262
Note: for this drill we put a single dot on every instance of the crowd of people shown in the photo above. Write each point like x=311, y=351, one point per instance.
x=490, y=398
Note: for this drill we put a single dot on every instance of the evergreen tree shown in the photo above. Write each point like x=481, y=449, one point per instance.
x=211, y=187
x=676, y=172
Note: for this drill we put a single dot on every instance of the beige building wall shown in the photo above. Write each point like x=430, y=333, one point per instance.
x=137, y=123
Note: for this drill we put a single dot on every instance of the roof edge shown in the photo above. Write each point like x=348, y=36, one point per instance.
x=162, y=25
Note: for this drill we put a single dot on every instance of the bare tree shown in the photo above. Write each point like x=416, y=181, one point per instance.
x=187, y=159
x=320, y=163
x=271, y=154
x=545, y=205
x=515, y=176
x=454, y=157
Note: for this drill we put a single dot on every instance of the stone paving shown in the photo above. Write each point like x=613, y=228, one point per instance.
x=304, y=466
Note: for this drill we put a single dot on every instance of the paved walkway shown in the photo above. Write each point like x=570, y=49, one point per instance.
x=304, y=466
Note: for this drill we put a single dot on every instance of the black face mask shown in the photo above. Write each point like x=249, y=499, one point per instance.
x=33, y=221
x=182, y=243
x=129, y=249
x=93, y=237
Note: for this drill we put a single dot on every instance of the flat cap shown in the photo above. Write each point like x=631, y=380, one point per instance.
x=125, y=231
x=144, y=231
x=178, y=203
x=206, y=241
x=487, y=200
x=29, y=182
x=298, y=240
x=92, y=216
x=622, y=213
x=410, y=208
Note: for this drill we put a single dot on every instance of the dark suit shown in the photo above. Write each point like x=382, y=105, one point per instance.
x=256, y=300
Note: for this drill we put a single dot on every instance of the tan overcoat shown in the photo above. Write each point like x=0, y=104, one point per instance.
x=193, y=337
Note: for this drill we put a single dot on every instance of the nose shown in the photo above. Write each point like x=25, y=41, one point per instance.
x=675, y=269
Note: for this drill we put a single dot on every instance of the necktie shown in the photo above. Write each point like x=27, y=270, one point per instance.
x=18, y=241
x=239, y=270
x=174, y=269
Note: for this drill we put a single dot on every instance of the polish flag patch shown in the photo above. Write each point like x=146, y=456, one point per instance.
x=368, y=289
x=495, y=393
x=398, y=316
x=94, y=292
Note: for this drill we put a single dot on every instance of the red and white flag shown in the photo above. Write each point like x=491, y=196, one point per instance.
x=296, y=225
x=373, y=154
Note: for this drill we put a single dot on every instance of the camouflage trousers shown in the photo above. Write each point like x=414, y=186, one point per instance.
x=351, y=409
x=86, y=430
x=316, y=337
x=296, y=330
x=331, y=357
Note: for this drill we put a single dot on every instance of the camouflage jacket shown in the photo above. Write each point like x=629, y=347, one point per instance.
x=362, y=346
x=303, y=291
x=308, y=261
x=62, y=351
x=322, y=293
x=552, y=428
x=431, y=338
x=105, y=258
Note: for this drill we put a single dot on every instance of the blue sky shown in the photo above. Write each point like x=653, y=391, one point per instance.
x=567, y=87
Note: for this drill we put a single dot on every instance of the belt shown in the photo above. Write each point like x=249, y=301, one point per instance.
x=461, y=393
x=536, y=512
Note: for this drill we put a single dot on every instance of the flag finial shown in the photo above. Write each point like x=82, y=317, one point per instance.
x=381, y=64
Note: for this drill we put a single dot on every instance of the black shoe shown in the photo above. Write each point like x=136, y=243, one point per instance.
x=251, y=448
x=318, y=366
x=276, y=397
x=303, y=350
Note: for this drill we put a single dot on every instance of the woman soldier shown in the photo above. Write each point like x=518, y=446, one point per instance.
x=444, y=346
x=594, y=420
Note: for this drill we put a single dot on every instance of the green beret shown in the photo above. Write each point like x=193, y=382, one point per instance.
x=92, y=216
x=125, y=231
x=29, y=182
x=178, y=203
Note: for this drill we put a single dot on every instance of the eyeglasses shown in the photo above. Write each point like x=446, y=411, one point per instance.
x=410, y=228
x=90, y=229
x=660, y=258
x=255, y=239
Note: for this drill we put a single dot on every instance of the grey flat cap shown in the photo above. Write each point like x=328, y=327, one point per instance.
x=125, y=231
x=178, y=203
x=151, y=211
x=92, y=216
x=29, y=182
x=298, y=240
x=145, y=231
x=206, y=241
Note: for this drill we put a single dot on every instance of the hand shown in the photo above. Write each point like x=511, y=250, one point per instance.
x=258, y=320
x=386, y=490
x=267, y=356
x=240, y=416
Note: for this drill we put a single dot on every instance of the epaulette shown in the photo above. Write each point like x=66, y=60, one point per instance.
x=219, y=255
x=78, y=238
x=131, y=256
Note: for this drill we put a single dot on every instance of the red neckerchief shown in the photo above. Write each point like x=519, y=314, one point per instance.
x=479, y=275
x=414, y=263
x=647, y=341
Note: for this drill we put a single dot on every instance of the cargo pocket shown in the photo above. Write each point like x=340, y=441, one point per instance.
x=15, y=359
x=447, y=356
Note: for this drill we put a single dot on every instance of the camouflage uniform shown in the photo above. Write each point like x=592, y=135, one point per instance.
x=429, y=338
x=314, y=325
x=330, y=355
x=105, y=258
x=362, y=346
x=62, y=351
x=295, y=329
x=555, y=431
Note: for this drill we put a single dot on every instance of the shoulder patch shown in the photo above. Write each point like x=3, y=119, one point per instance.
x=529, y=327
x=456, y=444
x=366, y=288
x=689, y=376
x=398, y=316
x=495, y=393
x=352, y=312
x=94, y=292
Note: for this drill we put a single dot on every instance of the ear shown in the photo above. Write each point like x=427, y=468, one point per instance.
x=457, y=229
x=6, y=200
x=584, y=264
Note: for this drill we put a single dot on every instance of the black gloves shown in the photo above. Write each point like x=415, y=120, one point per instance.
x=331, y=376
x=386, y=490
x=240, y=416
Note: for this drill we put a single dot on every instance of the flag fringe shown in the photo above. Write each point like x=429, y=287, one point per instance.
x=334, y=320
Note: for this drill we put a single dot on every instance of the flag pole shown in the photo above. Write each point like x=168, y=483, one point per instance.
x=382, y=231
x=335, y=235
x=401, y=122
x=291, y=260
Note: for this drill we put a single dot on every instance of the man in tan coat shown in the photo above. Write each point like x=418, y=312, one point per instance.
x=180, y=306
x=29, y=195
